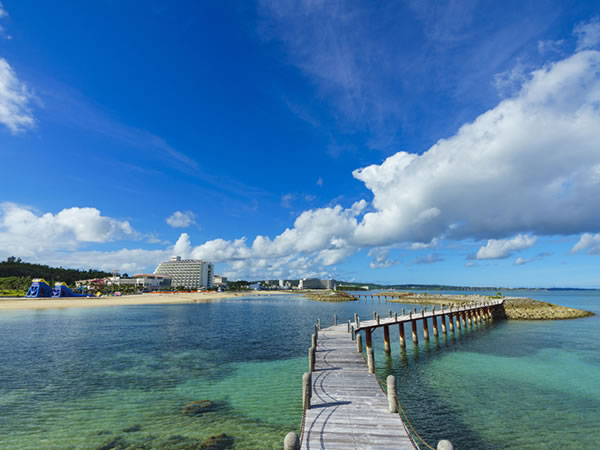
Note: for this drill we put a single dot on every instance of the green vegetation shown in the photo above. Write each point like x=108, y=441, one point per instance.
x=15, y=267
x=328, y=296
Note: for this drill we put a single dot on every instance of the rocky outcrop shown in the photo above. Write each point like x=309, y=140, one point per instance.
x=515, y=308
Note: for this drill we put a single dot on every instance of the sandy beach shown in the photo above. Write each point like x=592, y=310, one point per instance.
x=12, y=303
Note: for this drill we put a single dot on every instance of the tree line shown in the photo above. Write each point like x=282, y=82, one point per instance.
x=20, y=273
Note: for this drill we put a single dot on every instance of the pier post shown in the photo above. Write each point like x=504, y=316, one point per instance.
x=491, y=317
x=403, y=312
x=335, y=319
x=390, y=313
x=445, y=445
x=314, y=340
x=469, y=319
x=395, y=317
x=306, y=390
x=463, y=321
x=451, y=321
x=368, y=341
x=356, y=319
x=434, y=319
x=374, y=315
x=359, y=343
x=371, y=360
x=414, y=330
x=311, y=359
x=425, y=326
x=457, y=315
x=443, y=321
x=386, y=338
x=348, y=326
x=352, y=332
x=377, y=318
x=357, y=322
x=401, y=331
x=319, y=324
x=391, y=394
x=291, y=442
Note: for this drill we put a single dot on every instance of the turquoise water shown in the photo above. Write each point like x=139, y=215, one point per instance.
x=120, y=376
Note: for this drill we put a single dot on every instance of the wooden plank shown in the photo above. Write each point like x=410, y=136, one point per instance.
x=348, y=408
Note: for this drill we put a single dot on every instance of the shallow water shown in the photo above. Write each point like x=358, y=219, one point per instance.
x=81, y=377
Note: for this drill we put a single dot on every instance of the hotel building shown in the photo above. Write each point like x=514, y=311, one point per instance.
x=187, y=273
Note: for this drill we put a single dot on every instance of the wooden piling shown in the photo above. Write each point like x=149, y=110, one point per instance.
x=435, y=327
x=306, y=390
x=414, y=331
x=386, y=338
x=311, y=359
x=451, y=322
x=391, y=394
x=425, y=328
x=371, y=360
x=359, y=343
x=401, y=331
x=291, y=441
x=368, y=341
x=443, y=321
x=335, y=319
x=314, y=340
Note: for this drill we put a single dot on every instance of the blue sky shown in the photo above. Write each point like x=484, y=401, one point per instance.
x=392, y=142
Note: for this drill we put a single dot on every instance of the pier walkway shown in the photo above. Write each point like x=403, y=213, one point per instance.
x=348, y=408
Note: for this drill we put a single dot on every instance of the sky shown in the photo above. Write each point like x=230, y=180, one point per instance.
x=433, y=142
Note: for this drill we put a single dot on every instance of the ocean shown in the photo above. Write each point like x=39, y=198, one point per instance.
x=113, y=377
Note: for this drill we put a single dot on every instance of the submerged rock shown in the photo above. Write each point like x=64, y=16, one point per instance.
x=217, y=442
x=116, y=443
x=198, y=407
x=132, y=429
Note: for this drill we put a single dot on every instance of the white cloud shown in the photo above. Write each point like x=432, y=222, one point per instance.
x=502, y=248
x=3, y=12
x=25, y=233
x=509, y=171
x=588, y=242
x=320, y=181
x=15, y=98
x=588, y=34
x=181, y=219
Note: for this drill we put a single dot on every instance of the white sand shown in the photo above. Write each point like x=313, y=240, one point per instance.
x=11, y=303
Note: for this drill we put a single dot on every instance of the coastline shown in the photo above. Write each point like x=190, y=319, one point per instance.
x=16, y=303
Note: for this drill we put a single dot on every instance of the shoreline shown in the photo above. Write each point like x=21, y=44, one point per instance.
x=22, y=303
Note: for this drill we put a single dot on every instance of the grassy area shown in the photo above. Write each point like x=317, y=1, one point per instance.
x=12, y=293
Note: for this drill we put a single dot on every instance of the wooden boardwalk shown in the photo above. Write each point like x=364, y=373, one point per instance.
x=348, y=408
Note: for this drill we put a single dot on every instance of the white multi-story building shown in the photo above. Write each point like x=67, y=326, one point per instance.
x=315, y=283
x=187, y=273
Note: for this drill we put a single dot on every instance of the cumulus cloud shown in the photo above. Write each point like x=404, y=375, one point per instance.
x=181, y=219
x=502, y=248
x=511, y=170
x=3, y=12
x=26, y=233
x=588, y=242
x=15, y=99
x=588, y=34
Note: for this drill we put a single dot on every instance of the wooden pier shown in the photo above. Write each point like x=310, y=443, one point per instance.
x=348, y=408
x=344, y=405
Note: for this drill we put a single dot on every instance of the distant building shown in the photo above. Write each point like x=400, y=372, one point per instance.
x=187, y=273
x=315, y=283
x=219, y=280
x=152, y=282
